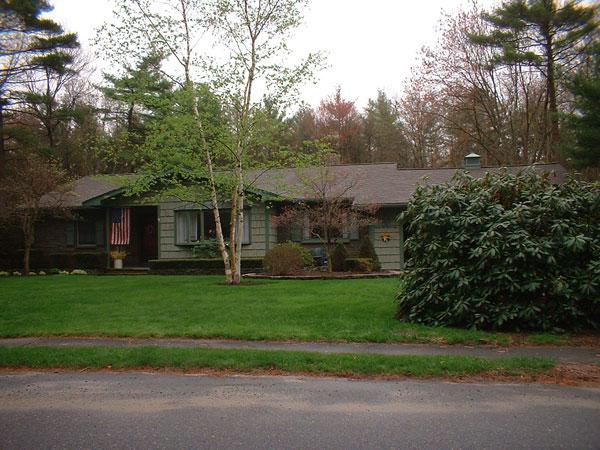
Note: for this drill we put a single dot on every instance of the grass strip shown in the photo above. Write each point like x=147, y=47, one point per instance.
x=340, y=364
x=202, y=307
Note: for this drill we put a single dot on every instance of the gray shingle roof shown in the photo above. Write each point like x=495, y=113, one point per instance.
x=377, y=183
x=382, y=184
x=87, y=188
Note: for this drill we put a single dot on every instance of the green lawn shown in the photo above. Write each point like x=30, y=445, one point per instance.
x=193, y=306
x=253, y=360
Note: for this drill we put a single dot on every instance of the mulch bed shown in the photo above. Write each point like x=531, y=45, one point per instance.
x=324, y=275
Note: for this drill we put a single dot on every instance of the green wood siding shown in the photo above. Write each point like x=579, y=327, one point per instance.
x=389, y=253
x=260, y=238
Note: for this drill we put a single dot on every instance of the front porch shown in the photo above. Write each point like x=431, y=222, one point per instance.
x=142, y=232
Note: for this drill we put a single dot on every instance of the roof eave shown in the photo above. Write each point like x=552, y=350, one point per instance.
x=99, y=199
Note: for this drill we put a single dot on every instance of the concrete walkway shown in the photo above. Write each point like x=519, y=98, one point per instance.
x=580, y=355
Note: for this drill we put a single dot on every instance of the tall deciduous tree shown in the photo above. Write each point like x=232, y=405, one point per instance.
x=423, y=127
x=550, y=35
x=472, y=104
x=252, y=34
x=339, y=119
x=25, y=199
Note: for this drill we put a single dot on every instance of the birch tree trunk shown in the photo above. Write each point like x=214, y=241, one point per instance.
x=255, y=33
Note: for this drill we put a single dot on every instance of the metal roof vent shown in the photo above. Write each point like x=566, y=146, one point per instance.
x=472, y=161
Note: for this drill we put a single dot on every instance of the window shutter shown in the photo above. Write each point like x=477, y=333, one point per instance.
x=247, y=219
x=70, y=230
x=306, y=229
x=296, y=233
x=99, y=233
x=180, y=227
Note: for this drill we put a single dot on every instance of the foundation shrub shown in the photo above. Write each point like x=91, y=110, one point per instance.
x=286, y=258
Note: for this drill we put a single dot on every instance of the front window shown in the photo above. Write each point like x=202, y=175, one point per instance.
x=210, y=229
x=193, y=226
x=317, y=232
x=312, y=232
x=187, y=227
x=87, y=229
x=86, y=232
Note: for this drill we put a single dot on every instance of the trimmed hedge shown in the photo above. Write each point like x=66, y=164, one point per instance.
x=78, y=260
x=504, y=252
x=41, y=259
x=362, y=265
x=287, y=258
x=200, y=265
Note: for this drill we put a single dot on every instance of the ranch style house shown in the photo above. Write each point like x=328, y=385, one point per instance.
x=169, y=229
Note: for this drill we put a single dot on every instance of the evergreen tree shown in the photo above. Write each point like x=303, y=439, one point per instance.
x=138, y=93
x=547, y=34
x=383, y=131
x=44, y=98
x=367, y=250
x=136, y=100
x=584, y=124
x=28, y=43
x=271, y=134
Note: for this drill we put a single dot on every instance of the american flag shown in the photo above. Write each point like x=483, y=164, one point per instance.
x=119, y=226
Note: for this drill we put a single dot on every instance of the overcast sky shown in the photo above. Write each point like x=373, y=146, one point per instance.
x=370, y=44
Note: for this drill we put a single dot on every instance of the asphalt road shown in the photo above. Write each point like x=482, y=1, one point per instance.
x=134, y=410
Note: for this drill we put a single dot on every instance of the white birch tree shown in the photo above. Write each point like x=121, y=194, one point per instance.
x=237, y=47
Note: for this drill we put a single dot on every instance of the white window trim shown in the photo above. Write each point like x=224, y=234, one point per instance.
x=199, y=214
x=188, y=213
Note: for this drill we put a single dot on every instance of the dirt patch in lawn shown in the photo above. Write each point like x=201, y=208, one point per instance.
x=317, y=275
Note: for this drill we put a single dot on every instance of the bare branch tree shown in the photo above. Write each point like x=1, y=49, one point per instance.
x=327, y=211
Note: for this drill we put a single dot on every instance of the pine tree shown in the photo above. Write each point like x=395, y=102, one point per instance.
x=546, y=34
x=138, y=92
x=584, y=124
x=383, y=131
x=28, y=43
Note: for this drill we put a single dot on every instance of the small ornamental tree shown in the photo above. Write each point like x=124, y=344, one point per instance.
x=327, y=207
x=27, y=181
x=505, y=252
